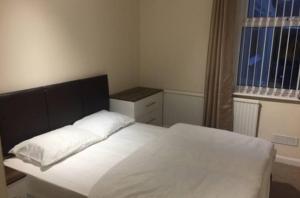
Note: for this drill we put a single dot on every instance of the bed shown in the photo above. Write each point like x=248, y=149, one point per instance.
x=139, y=160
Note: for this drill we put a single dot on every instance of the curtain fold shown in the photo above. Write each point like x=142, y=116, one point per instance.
x=218, y=105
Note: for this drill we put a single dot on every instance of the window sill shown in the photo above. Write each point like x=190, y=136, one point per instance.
x=267, y=97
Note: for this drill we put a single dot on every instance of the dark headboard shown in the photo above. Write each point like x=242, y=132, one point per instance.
x=29, y=113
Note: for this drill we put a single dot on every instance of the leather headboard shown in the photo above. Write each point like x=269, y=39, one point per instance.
x=26, y=114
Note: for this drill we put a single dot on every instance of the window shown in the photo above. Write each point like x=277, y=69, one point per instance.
x=269, y=56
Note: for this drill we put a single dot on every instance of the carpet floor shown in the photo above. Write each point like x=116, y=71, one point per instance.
x=286, y=181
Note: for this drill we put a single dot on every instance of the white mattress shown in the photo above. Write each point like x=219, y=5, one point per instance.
x=81, y=172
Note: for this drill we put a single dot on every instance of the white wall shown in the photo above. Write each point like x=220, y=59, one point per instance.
x=284, y=119
x=174, y=38
x=51, y=41
x=173, y=43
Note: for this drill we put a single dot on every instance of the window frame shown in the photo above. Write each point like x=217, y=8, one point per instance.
x=261, y=92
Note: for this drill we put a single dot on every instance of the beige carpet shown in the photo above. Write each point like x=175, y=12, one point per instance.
x=286, y=181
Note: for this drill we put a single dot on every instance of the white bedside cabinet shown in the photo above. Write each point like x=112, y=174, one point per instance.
x=143, y=104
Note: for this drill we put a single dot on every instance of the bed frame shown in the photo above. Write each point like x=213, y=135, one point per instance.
x=26, y=114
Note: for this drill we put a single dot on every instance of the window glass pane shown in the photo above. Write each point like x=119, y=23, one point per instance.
x=266, y=53
x=274, y=56
x=253, y=56
x=281, y=59
x=259, y=56
x=294, y=58
x=296, y=9
x=280, y=8
x=245, y=48
x=289, y=57
x=265, y=8
x=272, y=8
x=288, y=8
x=270, y=56
x=267, y=56
x=258, y=8
x=251, y=8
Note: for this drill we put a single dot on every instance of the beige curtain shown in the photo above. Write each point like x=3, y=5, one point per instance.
x=218, y=109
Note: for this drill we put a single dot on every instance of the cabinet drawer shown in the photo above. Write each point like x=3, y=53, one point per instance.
x=154, y=117
x=148, y=104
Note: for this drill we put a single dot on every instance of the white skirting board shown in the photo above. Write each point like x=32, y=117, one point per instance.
x=182, y=107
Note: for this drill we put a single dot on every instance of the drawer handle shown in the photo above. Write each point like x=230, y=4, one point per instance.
x=150, y=104
x=151, y=121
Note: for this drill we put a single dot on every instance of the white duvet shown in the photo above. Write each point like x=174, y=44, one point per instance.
x=190, y=162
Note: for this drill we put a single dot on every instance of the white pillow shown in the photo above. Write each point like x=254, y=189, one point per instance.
x=104, y=123
x=46, y=149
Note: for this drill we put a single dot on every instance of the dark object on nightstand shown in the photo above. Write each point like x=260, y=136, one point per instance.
x=13, y=176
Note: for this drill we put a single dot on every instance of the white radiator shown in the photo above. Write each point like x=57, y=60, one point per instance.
x=246, y=116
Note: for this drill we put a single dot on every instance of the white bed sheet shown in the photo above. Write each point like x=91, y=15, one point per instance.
x=80, y=172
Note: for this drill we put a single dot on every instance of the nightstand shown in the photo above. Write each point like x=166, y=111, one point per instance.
x=143, y=104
